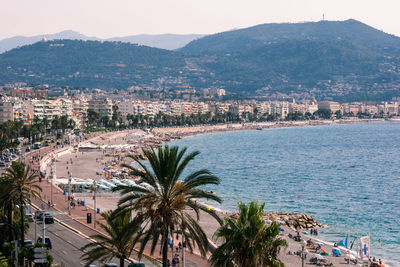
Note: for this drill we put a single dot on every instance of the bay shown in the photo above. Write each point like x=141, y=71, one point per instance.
x=346, y=176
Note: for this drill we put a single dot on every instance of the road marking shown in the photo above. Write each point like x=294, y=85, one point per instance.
x=64, y=252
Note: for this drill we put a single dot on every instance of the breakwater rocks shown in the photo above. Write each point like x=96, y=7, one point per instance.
x=296, y=221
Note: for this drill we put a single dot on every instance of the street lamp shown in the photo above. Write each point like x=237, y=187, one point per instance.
x=69, y=193
x=303, y=254
x=94, y=199
x=14, y=241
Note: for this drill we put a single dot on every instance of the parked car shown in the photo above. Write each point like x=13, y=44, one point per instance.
x=47, y=241
x=28, y=243
x=110, y=265
x=2, y=164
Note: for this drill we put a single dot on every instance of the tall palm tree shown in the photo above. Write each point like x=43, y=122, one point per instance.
x=22, y=186
x=7, y=204
x=122, y=235
x=248, y=240
x=163, y=197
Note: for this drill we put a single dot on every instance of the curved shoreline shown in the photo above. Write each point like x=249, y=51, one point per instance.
x=167, y=134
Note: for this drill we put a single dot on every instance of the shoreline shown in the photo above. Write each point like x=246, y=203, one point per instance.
x=171, y=133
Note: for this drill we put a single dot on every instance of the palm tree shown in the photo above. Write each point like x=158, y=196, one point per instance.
x=22, y=186
x=162, y=197
x=122, y=235
x=7, y=203
x=248, y=240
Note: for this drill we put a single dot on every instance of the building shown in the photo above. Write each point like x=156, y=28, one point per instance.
x=28, y=93
x=6, y=110
x=103, y=106
x=329, y=105
x=46, y=108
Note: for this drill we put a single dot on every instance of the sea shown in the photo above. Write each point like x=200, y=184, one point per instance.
x=346, y=176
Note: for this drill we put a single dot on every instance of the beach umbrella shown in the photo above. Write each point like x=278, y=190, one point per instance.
x=268, y=221
x=324, y=259
x=336, y=251
x=323, y=250
x=281, y=229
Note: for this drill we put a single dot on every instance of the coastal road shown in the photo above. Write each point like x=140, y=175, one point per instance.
x=66, y=243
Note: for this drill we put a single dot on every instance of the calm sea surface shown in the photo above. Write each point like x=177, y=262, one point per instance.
x=346, y=176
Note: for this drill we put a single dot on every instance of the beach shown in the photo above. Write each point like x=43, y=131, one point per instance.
x=92, y=163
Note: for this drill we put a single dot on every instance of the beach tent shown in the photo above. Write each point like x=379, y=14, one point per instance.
x=336, y=252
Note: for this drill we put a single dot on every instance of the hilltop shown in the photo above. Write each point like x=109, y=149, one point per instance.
x=164, y=41
x=331, y=60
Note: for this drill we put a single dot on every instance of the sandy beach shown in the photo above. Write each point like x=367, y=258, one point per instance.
x=92, y=164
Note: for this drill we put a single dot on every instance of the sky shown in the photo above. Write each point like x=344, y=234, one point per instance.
x=112, y=18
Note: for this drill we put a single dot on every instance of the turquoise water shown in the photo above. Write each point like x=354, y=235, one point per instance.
x=346, y=176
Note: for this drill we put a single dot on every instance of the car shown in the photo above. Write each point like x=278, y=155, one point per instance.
x=7, y=159
x=28, y=243
x=39, y=215
x=48, y=219
x=2, y=164
x=28, y=149
x=29, y=217
x=110, y=265
x=47, y=241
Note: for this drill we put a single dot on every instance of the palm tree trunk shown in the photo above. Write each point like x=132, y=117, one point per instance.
x=165, y=248
x=121, y=262
x=9, y=219
x=21, y=210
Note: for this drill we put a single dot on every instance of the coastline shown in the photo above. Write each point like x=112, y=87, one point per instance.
x=166, y=134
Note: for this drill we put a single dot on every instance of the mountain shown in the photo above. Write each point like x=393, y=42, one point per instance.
x=89, y=64
x=273, y=33
x=326, y=60
x=13, y=42
x=164, y=41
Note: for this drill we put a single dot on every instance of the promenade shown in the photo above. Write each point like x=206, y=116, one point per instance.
x=77, y=220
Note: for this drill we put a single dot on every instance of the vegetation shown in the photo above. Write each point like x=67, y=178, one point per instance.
x=343, y=61
x=248, y=240
x=122, y=235
x=10, y=131
x=163, y=197
x=21, y=185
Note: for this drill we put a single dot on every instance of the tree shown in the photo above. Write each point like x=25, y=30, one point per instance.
x=122, y=235
x=22, y=186
x=93, y=117
x=163, y=197
x=248, y=240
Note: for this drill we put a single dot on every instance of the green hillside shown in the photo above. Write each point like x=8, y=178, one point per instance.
x=89, y=63
x=243, y=39
x=344, y=61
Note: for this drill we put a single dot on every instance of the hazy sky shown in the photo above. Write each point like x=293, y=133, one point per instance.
x=110, y=18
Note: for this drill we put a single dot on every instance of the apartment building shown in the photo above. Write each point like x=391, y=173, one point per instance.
x=46, y=108
x=6, y=110
x=330, y=105
x=103, y=106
